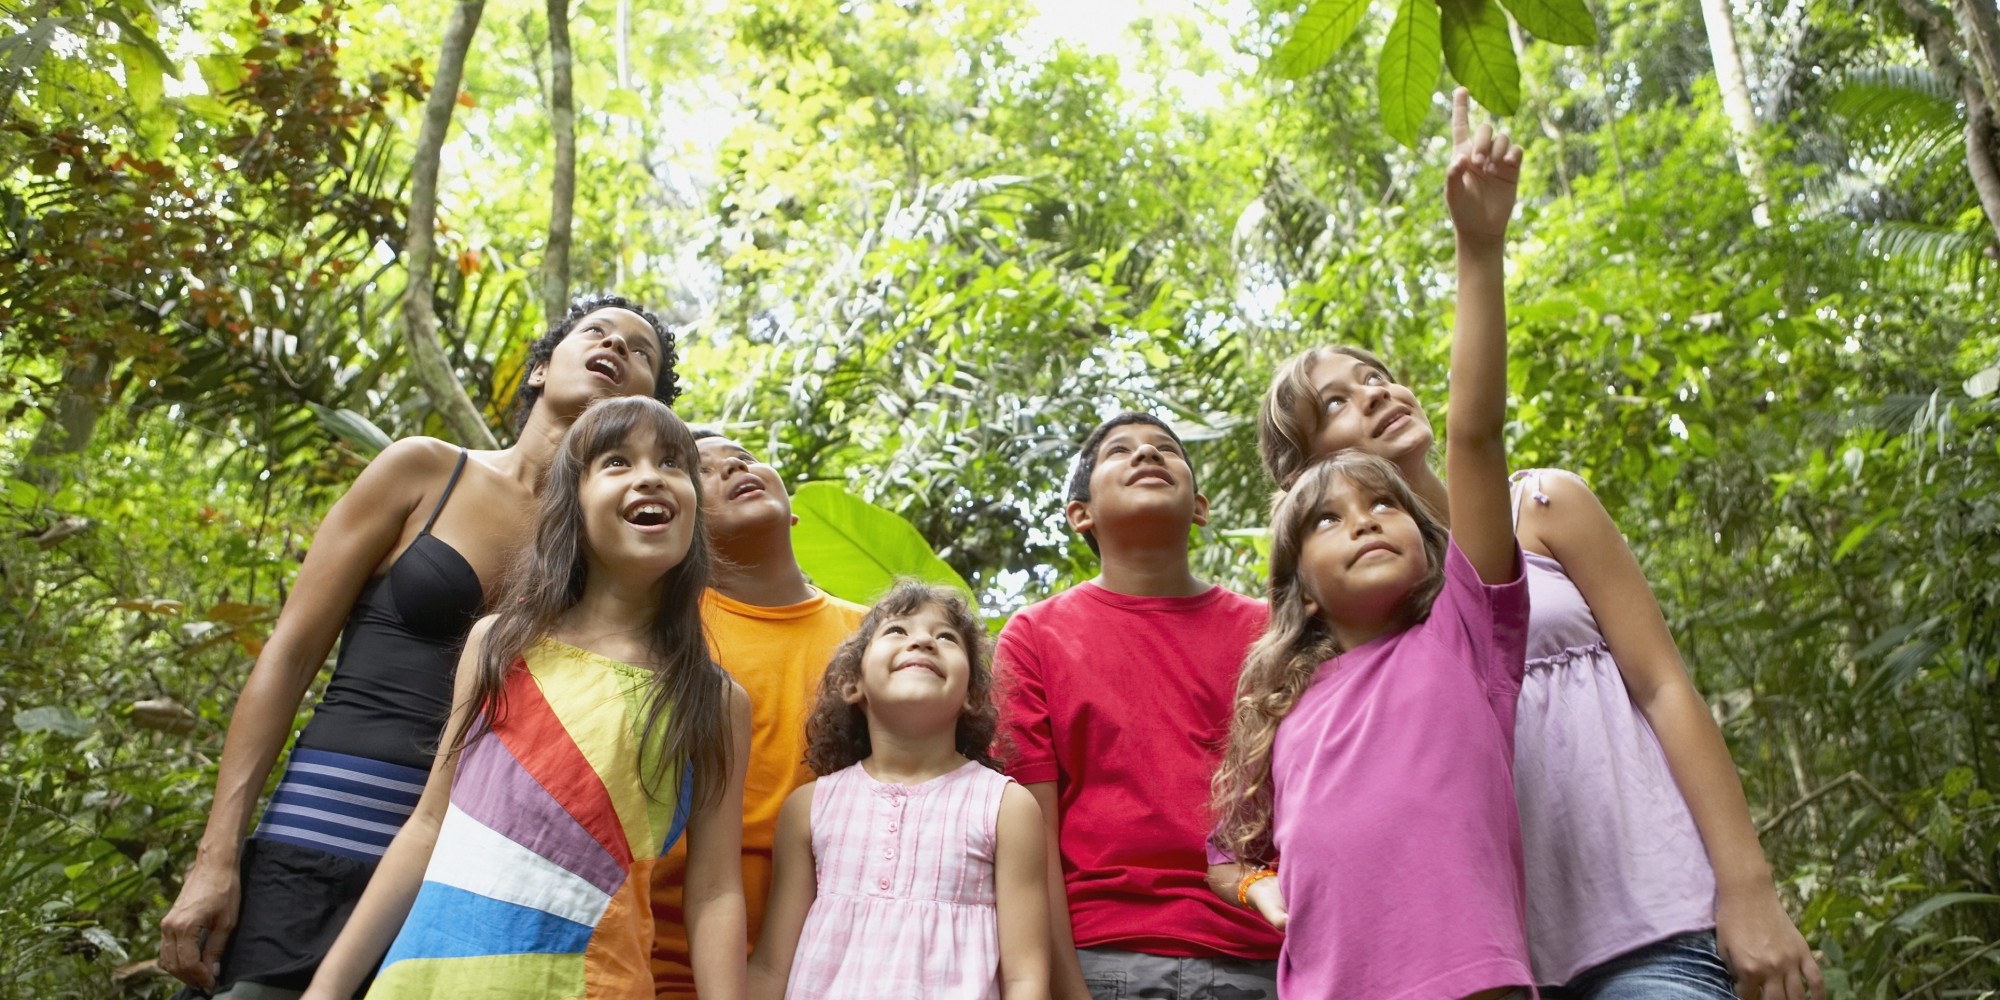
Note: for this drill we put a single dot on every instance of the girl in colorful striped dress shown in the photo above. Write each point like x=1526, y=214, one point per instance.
x=912, y=869
x=589, y=731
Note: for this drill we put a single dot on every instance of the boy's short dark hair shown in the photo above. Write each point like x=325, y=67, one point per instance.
x=1086, y=458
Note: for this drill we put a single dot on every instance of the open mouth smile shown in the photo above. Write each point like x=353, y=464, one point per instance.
x=744, y=489
x=1143, y=474
x=649, y=514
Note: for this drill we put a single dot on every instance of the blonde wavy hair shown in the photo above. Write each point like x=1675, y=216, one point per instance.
x=1286, y=421
x=1281, y=665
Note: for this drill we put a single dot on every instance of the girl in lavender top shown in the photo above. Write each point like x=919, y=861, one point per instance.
x=1372, y=736
x=1645, y=877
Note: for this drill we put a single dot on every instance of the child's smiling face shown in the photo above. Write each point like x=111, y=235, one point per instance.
x=638, y=507
x=1357, y=405
x=1141, y=475
x=1362, y=556
x=914, y=659
x=739, y=492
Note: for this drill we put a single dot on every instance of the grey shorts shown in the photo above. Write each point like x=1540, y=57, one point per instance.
x=1129, y=975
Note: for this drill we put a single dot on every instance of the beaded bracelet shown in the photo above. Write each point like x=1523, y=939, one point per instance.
x=1243, y=887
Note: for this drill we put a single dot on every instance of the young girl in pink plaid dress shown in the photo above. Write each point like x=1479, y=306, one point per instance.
x=912, y=868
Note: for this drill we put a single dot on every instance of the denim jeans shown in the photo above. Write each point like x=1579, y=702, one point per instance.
x=1686, y=967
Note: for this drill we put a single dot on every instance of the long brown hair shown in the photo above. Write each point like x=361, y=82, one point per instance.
x=837, y=732
x=688, y=701
x=1285, y=425
x=1281, y=665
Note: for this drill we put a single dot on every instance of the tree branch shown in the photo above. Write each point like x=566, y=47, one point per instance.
x=562, y=190
x=1939, y=39
x=427, y=355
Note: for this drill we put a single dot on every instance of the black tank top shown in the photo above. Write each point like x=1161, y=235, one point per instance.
x=391, y=689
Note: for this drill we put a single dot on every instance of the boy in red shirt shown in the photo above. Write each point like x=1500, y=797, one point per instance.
x=1116, y=699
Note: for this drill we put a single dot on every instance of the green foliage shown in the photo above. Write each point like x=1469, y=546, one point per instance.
x=915, y=262
x=855, y=550
x=1412, y=57
x=1321, y=29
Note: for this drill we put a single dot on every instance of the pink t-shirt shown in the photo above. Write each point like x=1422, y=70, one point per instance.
x=1124, y=703
x=1393, y=794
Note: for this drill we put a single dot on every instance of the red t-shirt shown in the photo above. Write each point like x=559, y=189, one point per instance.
x=1124, y=703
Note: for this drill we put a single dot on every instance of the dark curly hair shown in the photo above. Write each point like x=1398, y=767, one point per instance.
x=666, y=385
x=837, y=732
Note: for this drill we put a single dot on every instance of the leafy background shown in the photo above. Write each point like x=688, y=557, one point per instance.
x=918, y=248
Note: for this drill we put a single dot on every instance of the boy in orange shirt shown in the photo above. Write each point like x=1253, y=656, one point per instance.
x=774, y=632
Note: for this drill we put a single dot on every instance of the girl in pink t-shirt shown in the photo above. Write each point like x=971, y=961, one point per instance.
x=1372, y=738
x=912, y=868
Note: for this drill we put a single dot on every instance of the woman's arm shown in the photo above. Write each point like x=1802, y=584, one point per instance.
x=1757, y=939
x=794, y=886
x=353, y=541
x=1479, y=189
x=714, y=888
x=1021, y=888
x=393, y=887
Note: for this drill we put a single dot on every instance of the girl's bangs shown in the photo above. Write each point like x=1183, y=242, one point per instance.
x=609, y=423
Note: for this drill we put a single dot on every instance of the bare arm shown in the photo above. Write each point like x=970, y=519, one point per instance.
x=1020, y=882
x=714, y=891
x=1065, y=974
x=356, y=537
x=1226, y=880
x=393, y=887
x=1479, y=188
x=1757, y=939
x=794, y=886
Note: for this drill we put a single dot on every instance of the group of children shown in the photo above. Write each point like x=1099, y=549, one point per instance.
x=1453, y=754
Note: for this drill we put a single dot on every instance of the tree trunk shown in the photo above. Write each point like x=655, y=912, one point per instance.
x=427, y=356
x=70, y=424
x=562, y=191
x=1735, y=86
x=1940, y=39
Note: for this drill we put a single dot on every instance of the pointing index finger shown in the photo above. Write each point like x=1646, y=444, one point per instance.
x=1461, y=128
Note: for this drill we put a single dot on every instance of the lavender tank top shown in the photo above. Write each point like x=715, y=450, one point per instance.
x=1613, y=859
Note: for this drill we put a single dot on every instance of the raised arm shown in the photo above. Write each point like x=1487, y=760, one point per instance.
x=1480, y=185
x=716, y=916
x=794, y=886
x=1020, y=882
x=1757, y=939
x=356, y=538
x=393, y=888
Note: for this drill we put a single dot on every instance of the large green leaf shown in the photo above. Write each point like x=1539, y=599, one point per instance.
x=1480, y=53
x=855, y=550
x=1412, y=55
x=1320, y=30
x=1564, y=22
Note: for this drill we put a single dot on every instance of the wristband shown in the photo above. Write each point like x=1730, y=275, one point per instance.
x=1243, y=887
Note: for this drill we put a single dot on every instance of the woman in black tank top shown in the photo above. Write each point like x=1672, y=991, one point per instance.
x=398, y=570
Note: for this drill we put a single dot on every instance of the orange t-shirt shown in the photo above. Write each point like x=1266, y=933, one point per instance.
x=778, y=655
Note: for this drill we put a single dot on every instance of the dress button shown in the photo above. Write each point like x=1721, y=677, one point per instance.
x=884, y=883
x=892, y=828
x=888, y=853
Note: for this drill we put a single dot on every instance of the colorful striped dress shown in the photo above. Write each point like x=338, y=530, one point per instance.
x=539, y=882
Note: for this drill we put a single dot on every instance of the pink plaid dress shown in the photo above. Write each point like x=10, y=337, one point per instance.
x=906, y=902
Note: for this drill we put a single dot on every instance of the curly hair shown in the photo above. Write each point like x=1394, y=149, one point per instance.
x=666, y=384
x=1284, y=425
x=1281, y=665
x=837, y=732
